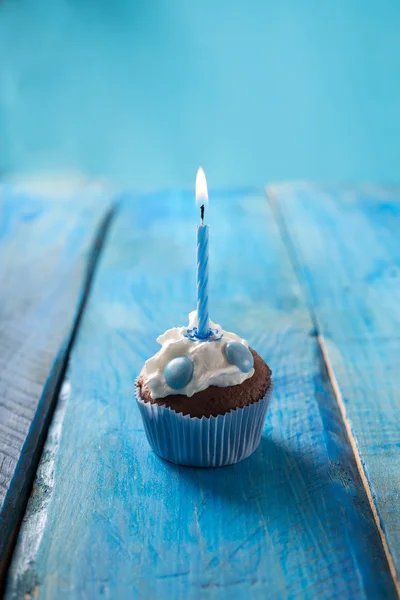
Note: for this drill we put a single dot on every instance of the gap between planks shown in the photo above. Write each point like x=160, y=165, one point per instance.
x=272, y=198
x=339, y=399
x=46, y=406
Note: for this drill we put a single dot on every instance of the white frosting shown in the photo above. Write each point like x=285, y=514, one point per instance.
x=210, y=364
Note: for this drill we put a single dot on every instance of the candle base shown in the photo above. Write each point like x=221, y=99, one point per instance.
x=213, y=335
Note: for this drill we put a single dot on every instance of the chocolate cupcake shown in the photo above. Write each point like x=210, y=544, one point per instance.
x=203, y=403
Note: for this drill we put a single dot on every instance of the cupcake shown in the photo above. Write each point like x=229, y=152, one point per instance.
x=203, y=402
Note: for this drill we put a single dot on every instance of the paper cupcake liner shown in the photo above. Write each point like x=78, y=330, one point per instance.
x=206, y=442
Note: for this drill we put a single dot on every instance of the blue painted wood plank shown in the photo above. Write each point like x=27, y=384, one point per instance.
x=108, y=518
x=45, y=242
x=345, y=245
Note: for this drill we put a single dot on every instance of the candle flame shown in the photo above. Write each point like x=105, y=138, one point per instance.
x=201, y=188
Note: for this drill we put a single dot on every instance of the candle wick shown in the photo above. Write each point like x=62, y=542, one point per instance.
x=202, y=214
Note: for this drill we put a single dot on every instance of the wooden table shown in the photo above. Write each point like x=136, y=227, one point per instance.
x=310, y=275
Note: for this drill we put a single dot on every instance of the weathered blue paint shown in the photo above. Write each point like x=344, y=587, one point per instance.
x=345, y=244
x=109, y=518
x=44, y=247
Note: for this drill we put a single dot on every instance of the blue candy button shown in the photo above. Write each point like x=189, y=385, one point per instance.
x=178, y=372
x=237, y=354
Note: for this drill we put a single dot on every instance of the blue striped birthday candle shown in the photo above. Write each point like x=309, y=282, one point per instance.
x=203, y=327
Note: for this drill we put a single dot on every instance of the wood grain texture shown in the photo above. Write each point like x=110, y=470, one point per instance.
x=108, y=518
x=345, y=245
x=44, y=255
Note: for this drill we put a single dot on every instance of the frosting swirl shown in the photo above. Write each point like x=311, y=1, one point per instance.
x=210, y=364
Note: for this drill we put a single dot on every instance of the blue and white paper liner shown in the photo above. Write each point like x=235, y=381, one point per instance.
x=206, y=442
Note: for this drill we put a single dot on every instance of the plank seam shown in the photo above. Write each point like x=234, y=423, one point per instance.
x=287, y=242
x=361, y=470
x=16, y=499
x=279, y=218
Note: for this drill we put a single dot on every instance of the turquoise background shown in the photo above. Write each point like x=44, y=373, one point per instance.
x=143, y=92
